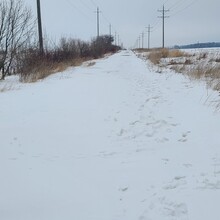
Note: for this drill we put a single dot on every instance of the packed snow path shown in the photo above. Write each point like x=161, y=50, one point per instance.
x=112, y=141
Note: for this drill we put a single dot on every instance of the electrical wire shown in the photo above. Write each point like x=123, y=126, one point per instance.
x=94, y=4
x=175, y=5
x=183, y=9
x=86, y=5
x=78, y=9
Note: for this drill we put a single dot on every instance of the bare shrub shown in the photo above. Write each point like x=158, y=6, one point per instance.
x=16, y=28
x=35, y=67
x=102, y=45
x=69, y=52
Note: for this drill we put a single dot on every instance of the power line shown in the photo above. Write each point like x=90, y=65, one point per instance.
x=86, y=5
x=175, y=4
x=183, y=9
x=78, y=9
x=163, y=11
x=103, y=16
x=94, y=3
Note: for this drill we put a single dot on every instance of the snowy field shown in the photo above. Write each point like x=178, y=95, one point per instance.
x=113, y=141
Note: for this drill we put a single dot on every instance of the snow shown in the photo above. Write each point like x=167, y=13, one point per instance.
x=112, y=141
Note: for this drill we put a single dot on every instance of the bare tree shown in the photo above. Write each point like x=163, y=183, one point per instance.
x=16, y=27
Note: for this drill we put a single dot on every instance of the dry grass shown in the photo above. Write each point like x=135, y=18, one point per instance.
x=209, y=73
x=195, y=66
x=177, y=53
x=178, y=68
x=213, y=78
x=196, y=73
x=45, y=69
x=202, y=56
x=155, y=56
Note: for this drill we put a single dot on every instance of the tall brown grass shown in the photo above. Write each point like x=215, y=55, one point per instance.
x=43, y=68
x=156, y=55
x=195, y=66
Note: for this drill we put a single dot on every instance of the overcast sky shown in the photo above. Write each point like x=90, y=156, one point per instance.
x=190, y=21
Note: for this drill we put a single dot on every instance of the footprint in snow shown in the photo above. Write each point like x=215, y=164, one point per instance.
x=161, y=140
x=184, y=136
x=123, y=189
x=13, y=158
x=134, y=122
x=177, y=210
x=122, y=131
x=187, y=165
x=175, y=183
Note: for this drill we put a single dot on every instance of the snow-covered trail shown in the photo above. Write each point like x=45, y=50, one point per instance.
x=113, y=141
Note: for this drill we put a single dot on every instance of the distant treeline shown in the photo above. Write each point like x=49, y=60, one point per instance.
x=198, y=45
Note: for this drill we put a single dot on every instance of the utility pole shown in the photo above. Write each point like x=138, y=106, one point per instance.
x=142, y=40
x=149, y=31
x=98, y=12
x=118, y=40
x=139, y=42
x=41, y=47
x=115, y=38
x=110, y=30
x=163, y=11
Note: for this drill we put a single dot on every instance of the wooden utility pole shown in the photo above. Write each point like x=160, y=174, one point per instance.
x=98, y=12
x=115, y=38
x=149, y=31
x=142, y=40
x=110, y=30
x=139, y=42
x=41, y=47
x=163, y=11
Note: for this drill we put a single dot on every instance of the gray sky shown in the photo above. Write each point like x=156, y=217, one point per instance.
x=190, y=21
